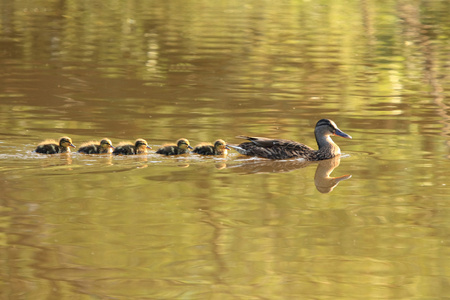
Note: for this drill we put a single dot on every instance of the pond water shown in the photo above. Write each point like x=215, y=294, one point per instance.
x=371, y=224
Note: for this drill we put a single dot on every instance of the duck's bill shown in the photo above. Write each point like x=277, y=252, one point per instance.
x=342, y=134
x=228, y=148
x=190, y=147
x=148, y=147
x=72, y=145
x=112, y=147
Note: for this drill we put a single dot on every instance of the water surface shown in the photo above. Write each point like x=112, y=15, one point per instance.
x=191, y=227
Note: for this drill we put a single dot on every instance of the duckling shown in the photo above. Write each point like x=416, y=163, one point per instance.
x=181, y=147
x=283, y=149
x=95, y=147
x=126, y=148
x=219, y=148
x=53, y=147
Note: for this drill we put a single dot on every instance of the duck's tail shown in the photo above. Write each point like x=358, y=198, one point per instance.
x=238, y=149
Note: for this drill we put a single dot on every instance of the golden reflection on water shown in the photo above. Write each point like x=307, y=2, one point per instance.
x=148, y=227
x=324, y=183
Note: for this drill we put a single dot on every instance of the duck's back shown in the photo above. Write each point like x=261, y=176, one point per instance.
x=89, y=148
x=124, y=149
x=48, y=147
x=276, y=148
x=170, y=150
x=204, y=149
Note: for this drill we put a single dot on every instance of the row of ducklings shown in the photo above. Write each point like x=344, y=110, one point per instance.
x=140, y=146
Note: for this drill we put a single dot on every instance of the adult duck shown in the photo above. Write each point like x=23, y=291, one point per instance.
x=103, y=147
x=140, y=146
x=181, y=147
x=219, y=148
x=53, y=147
x=283, y=149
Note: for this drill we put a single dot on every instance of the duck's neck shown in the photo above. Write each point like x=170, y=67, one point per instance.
x=105, y=150
x=141, y=150
x=63, y=149
x=220, y=151
x=326, y=146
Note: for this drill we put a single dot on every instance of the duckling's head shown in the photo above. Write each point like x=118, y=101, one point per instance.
x=183, y=144
x=326, y=127
x=141, y=143
x=65, y=142
x=106, y=143
x=220, y=145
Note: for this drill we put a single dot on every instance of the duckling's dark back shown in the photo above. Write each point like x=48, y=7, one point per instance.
x=205, y=149
x=170, y=150
x=97, y=147
x=181, y=147
x=90, y=148
x=125, y=149
x=51, y=147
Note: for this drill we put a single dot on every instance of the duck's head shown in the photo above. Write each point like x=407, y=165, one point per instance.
x=183, y=144
x=65, y=142
x=141, y=143
x=220, y=145
x=326, y=127
x=106, y=144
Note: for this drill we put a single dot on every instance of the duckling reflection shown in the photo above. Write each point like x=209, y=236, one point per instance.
x=324, y=183
x=58, y=160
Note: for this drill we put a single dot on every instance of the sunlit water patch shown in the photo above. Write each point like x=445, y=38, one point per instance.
x=373, y=226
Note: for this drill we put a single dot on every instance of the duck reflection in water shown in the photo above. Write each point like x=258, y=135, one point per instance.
x=324, y=183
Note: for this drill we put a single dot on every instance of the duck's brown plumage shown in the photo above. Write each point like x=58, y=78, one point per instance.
x=126, y=148
x=53, y=147
x=181, y=147
x=95, y=147
x=284, y=149
x=219, y=148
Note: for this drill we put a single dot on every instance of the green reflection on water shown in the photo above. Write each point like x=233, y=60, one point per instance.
x=167, y=228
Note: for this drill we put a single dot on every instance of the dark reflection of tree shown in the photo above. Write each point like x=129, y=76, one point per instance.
x=324, y=183
x=27, y=228
x=218, y=235
x=422, y=35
